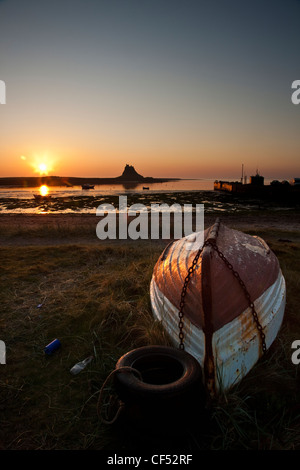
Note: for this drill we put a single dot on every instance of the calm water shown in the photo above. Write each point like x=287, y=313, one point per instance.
x=105, y=189
x=76, y=200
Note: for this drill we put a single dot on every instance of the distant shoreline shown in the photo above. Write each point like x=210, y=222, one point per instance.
x=35, y=181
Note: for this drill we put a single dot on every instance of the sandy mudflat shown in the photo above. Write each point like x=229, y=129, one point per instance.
x=28, y=221
x=289, y=220
x=19, y=229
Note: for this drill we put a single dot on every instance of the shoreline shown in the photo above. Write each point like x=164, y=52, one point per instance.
x=215, y=202
x=69, y=181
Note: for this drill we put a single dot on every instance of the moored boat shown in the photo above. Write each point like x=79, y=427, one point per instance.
x=233, y=304
x=42, y=198
x=87, y=186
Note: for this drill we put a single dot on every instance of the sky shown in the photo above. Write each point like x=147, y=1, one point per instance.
x=177, y=88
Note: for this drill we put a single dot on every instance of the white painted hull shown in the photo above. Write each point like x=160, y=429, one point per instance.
x=237, y=345
x=233, y=344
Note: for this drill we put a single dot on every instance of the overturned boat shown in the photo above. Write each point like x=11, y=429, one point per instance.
x=222, y=301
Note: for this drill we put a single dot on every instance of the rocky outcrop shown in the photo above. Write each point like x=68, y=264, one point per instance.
x=130, y=174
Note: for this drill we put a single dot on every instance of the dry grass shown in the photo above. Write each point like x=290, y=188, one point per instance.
x=95, y=299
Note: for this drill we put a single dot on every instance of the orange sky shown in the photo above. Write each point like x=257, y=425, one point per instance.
x=175, y=90
x=209, y=162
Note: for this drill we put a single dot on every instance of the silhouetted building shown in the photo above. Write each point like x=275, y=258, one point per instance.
x=257, y=180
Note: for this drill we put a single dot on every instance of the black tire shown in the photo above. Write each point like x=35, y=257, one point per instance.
x=163, y=374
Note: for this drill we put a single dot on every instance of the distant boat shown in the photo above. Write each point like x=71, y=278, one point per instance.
x=219, y=326
x=145, y=187
x=87, y=186
x=41, y=198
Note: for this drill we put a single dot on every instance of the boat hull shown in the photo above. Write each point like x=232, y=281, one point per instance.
x=233, y=345
x=237, y=345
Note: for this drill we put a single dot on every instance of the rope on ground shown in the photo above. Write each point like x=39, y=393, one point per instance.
x=121, y=403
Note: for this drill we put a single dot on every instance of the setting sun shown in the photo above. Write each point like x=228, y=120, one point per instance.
x=43, y=168
x=41, y=164
x=44, y=190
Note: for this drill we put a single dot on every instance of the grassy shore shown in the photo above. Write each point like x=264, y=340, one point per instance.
x=59, y=281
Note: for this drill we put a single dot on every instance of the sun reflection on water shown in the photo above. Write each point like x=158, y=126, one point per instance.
x=44, y=190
